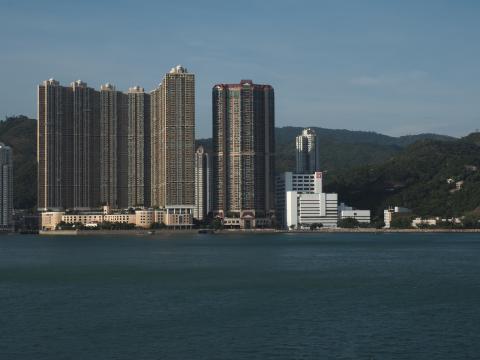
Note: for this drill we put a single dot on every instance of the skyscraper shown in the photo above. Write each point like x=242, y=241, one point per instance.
x=203, y=176
x=68, y=135
x=86, y=146
x=244, y=152
x=6, y=187
x=113, y=147
x=138, y=147
x=308, y=152
x=173, y=141
x=55, y=185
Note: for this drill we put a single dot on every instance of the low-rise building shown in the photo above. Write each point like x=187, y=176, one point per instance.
x=304, y=210
x=174, y=217
x=362, y=216
x=50, y=219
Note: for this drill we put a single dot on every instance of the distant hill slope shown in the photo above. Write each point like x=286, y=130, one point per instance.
x=20, y=133
x=417, y=178
x=341, y=149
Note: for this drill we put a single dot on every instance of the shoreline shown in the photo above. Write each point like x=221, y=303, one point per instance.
x=140, y=232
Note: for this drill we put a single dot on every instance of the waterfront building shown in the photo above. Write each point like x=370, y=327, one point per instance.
x=173, y=143
x=68, y=146
x=54, y=110
x=244, y=153
x=174, y=217
x=301, y=183
x=304, y=210
x=307, y=152
x=138, y=147
x=345, y=212
x=6, y=187
x=86, y=145
x=203, y=175
x=113, y=147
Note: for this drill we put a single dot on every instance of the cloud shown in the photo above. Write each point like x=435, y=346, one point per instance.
x=389, y=79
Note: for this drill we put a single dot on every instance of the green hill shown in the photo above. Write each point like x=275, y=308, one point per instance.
x=341, y=149
x=20, y=134
x=417, y=178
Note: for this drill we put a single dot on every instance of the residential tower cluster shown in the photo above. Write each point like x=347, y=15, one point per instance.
x=108, y=156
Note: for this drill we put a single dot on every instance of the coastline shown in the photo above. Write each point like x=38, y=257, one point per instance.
x=141, y=232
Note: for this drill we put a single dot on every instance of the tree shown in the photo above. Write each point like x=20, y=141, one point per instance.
x=217, y=224
x=400, y=221
x=316, y=226
x=348, y=223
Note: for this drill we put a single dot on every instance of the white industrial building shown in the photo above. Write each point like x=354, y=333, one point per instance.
x=301, y=183
x=304, y=210
x=346, y=212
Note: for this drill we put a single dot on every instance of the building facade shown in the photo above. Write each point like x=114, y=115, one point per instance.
x=113, y=147
x=138, y=147
x=301, y=183
x=6, y=187
x=86, y=146
x=243, y=151
x=203, y=181
x=307, y=152
x=68, y=144
x=304, y=210
x=173, y=140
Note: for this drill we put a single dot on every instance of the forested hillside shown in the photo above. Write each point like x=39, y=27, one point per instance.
x=423, y=177
x=20, y=134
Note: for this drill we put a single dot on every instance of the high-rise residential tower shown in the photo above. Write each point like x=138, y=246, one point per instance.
x=308, y=152
x=138, y=147
x=173, y=141
x=113, y=147
x=86, y=146
x=68, y=135
x=203, y=182
x=244, y=152
x=54, y=142
x=6, y=187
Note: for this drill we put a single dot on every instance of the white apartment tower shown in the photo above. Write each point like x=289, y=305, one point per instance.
x=308, y=152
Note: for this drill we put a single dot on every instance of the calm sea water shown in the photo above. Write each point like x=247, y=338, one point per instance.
x=323, y=296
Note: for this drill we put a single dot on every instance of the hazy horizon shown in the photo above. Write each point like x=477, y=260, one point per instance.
x=392, y=68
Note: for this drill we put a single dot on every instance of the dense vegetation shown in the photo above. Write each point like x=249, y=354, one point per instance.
x=20, y=133
x=424, y=177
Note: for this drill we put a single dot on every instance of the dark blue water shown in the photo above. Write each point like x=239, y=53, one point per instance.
x=326, y=296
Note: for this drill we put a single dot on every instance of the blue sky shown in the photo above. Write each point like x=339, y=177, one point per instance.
x=395, y=67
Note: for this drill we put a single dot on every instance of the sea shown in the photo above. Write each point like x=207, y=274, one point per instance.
x=240, y=296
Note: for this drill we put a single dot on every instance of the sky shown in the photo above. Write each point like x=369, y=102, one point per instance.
x=394, y=67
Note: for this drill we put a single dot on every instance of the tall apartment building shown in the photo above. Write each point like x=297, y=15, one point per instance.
x=53, y=114
x=244, y=151
x=6, y=187
x=113, y=147
x=86, y=145
x=138, y=147
x=308, y=152
x=173, y=141
x=68, y=139
x=203, y=181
